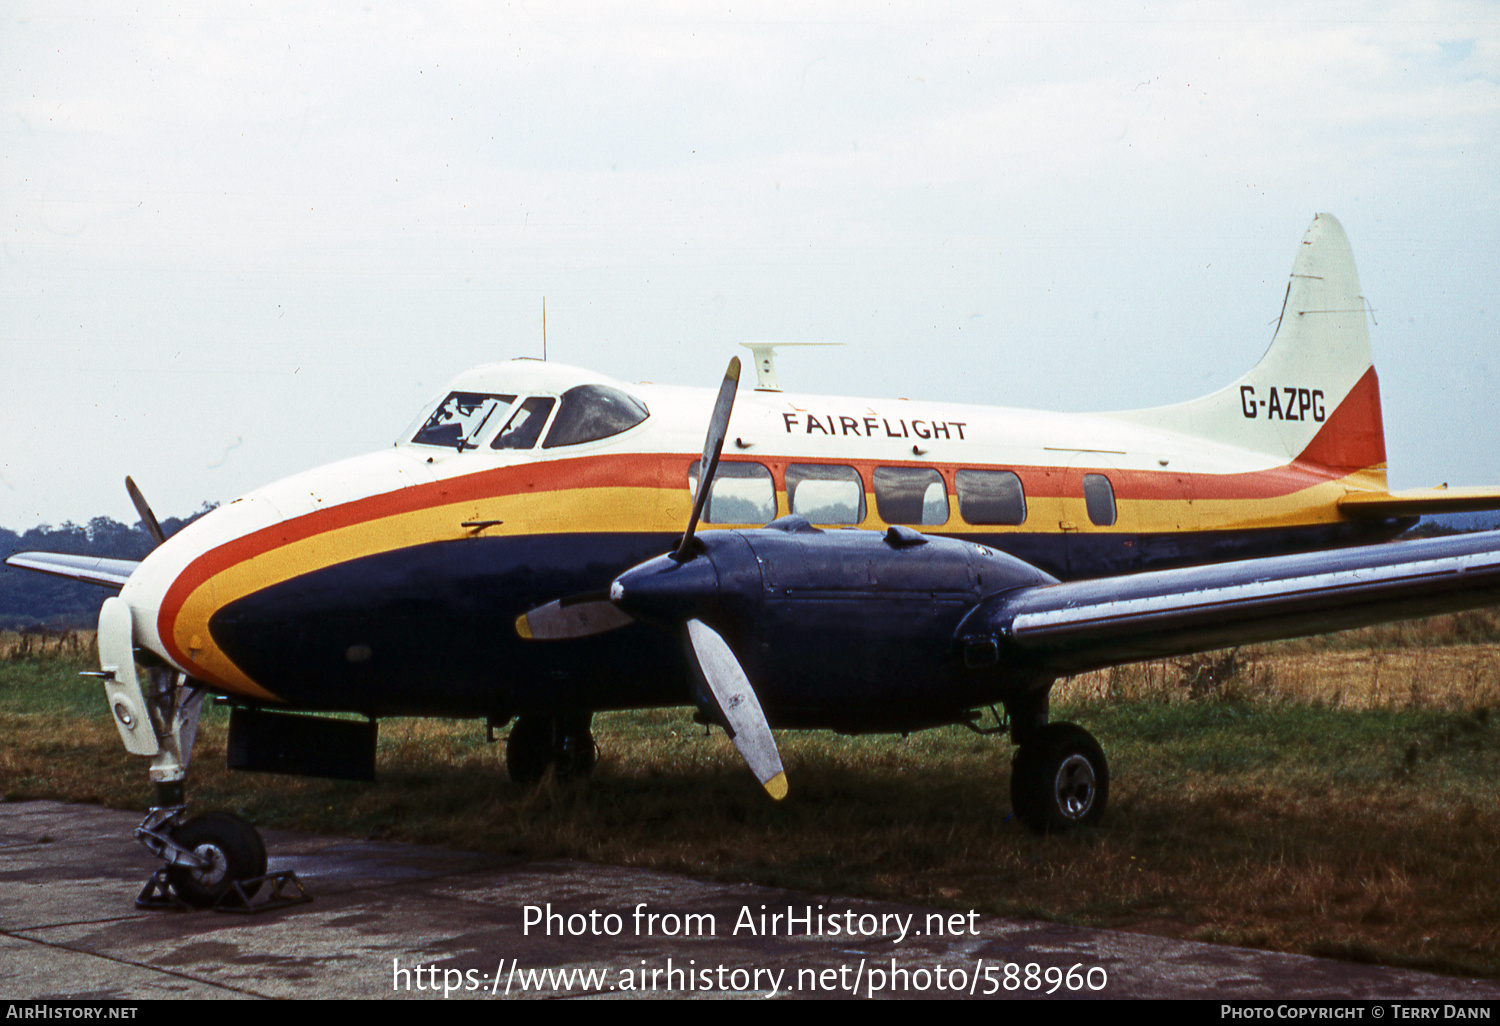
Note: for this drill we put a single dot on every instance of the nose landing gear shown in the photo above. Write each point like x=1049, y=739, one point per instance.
x=213, y=859
x=216, y=859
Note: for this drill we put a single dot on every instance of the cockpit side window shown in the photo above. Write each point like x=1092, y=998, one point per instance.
x=591, y=412
x=525, y=425
x=459, y=418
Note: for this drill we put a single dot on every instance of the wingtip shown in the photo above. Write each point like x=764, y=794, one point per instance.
x=523, y=627
x=776, y=786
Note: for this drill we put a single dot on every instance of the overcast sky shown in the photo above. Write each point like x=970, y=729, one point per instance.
x=243, y=240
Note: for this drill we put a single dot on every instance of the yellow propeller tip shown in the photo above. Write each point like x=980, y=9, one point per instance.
x=523, y=628
x=776, y=786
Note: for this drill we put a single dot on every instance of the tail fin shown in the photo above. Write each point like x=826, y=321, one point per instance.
x=1313, y=397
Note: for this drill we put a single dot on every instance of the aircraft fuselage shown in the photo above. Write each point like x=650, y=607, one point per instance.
x=388, y=584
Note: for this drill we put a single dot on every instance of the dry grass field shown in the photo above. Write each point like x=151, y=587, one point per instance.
x=1330, y=796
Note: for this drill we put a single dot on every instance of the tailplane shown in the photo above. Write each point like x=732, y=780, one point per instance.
x=1314, y=397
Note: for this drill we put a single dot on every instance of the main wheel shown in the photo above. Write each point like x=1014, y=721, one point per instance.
x=232, y=848
x=537, y=742
x=1059, y=779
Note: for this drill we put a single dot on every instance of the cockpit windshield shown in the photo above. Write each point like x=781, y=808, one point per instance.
x=525, y=425
x=460, y=418
x=466, y=420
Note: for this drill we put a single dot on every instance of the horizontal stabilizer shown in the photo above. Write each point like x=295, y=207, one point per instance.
x=1082, y=625
x=1420, y=502
x=109, y=573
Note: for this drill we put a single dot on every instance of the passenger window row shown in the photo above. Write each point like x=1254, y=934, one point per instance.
x=745, y=493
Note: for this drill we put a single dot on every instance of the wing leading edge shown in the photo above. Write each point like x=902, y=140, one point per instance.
x=108, y=573
x=1081, y=625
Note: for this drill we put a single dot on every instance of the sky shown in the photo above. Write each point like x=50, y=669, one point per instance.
x=243, y=240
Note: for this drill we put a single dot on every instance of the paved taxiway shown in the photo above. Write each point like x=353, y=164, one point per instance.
x=69, y=875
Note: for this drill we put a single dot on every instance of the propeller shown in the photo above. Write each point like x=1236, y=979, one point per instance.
x=713, y=445
x=740, y=708
x=147, y=517
x=577, y=616
x=672, y=591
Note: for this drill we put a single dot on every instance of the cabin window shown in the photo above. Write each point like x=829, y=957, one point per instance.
x=743, y=493
x=591, y=412
x=824, y=494
x=460, y=417
x=525, y=425
x=1099, y=499
x=911, y=495
x=990, y=497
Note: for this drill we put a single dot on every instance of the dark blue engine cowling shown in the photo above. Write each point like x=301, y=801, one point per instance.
x=845, y=629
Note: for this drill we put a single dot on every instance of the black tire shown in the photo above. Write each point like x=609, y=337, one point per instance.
x=528, y=750
x=537, y=743
x=234, y=849
x=1059, y=779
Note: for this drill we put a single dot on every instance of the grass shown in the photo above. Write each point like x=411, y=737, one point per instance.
x=1323, y=799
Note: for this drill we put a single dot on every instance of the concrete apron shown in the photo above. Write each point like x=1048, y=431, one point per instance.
x=395, y=920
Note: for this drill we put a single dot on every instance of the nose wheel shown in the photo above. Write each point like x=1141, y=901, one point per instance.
x=229, y=851
x=1059, y=779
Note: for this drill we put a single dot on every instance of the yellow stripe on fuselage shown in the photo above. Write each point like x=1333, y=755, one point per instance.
x=639, y=510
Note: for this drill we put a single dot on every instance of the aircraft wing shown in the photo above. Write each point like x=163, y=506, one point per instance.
x=1081, y=625
x=109, y=573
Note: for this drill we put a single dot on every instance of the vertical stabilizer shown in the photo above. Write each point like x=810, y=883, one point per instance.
x=1314, y=396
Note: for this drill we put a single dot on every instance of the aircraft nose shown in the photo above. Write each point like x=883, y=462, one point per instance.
x=667, y=592
x=159, y=581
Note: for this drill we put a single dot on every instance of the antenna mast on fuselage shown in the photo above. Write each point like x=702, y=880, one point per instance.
x=765, y=361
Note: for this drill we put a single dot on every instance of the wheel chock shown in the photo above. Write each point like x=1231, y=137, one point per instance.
x=158, y=895
x=283, y=891
x=241, y=896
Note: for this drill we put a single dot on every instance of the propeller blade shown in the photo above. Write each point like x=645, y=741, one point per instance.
x=147, y=517
x=748, y=728
x=718, y=426
x=578, y=616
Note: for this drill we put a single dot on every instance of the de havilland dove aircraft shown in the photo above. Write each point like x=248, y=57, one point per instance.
x=544, y=543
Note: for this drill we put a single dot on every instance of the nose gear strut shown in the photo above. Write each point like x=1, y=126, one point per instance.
x=214, y=860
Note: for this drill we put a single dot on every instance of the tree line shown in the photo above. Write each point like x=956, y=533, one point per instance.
x=30, y=599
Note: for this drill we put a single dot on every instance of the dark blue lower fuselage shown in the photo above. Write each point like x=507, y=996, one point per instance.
x=429, y=630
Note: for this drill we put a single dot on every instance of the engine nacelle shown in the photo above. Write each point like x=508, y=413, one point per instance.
x=847, y=629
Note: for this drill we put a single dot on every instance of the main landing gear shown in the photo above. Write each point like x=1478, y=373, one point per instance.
x=539, y=743
x=1059, y=778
